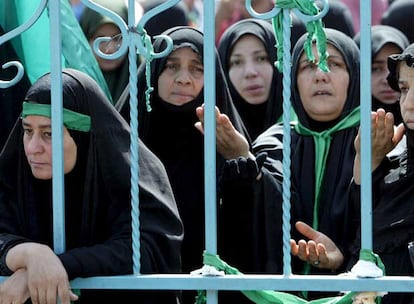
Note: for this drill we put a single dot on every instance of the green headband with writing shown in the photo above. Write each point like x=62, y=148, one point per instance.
x=72, y=120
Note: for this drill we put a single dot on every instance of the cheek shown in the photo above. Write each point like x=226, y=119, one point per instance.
x=268, y=74
x=70, y=156
x=25, y=144
x=342, y=87
x=199, y=84
x=163, y=84
x=235, y=76
x=302, y=85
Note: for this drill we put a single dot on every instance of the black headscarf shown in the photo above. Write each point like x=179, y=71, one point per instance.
x=259, y=117
x=333, y=213
x=10, y=105
x=176, y=15
x=380, y=36
x=97, y=193
x=339, y=17
x=168, y=130
x=90, y=22
x=399, y=15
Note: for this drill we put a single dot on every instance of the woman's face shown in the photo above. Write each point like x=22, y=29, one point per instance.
x=182, y=79
x=108, y=30
x=37, y=141
x=251, y=71
x=323, y=94
x=406, y=84
x=379, y=72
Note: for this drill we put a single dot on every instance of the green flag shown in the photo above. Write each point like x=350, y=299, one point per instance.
x=33, y=45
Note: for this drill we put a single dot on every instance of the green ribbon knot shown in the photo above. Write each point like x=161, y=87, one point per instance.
x=149, y=56
x=314, y=29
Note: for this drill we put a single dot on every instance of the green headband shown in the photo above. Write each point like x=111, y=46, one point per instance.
x=72, y=120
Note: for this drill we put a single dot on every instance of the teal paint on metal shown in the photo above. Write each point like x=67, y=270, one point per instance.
x=366, y=195
x=59, y=239
x=247, y=282
x=13, y=33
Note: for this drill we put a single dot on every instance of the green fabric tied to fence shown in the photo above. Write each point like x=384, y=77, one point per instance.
x=276, y=297
x=33, y=45
x=314, y=29
x=149, y=56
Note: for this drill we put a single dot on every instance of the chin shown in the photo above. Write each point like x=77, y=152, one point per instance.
x=42, y=175
x=409, y=125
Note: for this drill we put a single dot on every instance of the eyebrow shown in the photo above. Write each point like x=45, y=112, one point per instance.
x=253, y=53
x=176, y=59
x=45, y=126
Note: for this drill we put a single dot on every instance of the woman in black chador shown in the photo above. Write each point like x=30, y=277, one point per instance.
x=385, y=40
x=247, y=52
x=393, y=192
x=168, y=129
x=322, y=154
x=97, y=201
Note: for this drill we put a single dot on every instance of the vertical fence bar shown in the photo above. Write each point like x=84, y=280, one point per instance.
x=132, y=57
x=366, y=180
x=54, y=7
x=57, y=127
x=210, y=135
x=210, y=125
x=287, y=269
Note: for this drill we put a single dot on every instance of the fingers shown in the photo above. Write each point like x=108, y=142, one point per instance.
x=399, y=133
x=199, y=126
x=73, y=296
x=306, y=230
x=357, y=141
x=294, y=247
x=50, y=295
x=200, y=113
x=65, y=294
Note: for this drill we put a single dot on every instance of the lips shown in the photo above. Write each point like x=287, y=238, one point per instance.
x=322, y=93
x=37, y=163
x=254, y=89
x=389, y=94
x=183, y=95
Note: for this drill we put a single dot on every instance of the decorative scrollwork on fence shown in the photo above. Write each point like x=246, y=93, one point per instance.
x=13, y=33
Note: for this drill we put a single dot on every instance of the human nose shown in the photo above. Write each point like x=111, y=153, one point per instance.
x=250, y=69
x=112, y=45
x=183, y=76
x=35, y=145
x=321, y=75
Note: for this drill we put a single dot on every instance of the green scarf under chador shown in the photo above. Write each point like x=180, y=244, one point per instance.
x=322, y=144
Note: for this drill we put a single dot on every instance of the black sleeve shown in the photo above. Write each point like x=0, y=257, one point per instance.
x=249, y=214
x=7, y=241
x=160, y=241
x=9, y=233
x=355, y=207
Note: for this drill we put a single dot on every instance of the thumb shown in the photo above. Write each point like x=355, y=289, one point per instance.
x=399, y=133
x=306, y=230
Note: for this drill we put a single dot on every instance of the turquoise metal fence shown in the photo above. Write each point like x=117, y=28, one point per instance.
x=133, y=42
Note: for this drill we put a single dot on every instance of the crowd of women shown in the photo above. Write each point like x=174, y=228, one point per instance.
x=325, y=163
